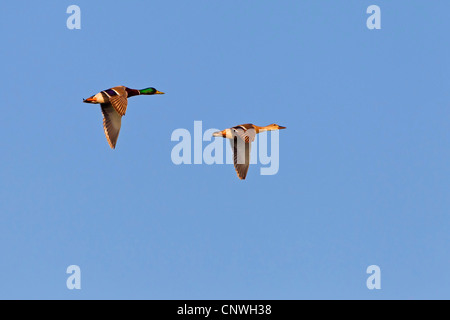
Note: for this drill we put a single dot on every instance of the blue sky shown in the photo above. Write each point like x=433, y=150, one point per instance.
x=364, y=162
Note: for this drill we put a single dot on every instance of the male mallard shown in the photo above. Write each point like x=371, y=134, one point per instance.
x=114, y=105
x=241, y=148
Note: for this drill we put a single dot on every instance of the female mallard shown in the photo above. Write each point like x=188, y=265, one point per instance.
x=114, y=105
x=241, y=138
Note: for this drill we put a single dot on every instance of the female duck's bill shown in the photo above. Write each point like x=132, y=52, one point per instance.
x=219, y=134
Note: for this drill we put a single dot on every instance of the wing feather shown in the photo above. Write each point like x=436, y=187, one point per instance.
x=112, y=121
x=241, y=156
x=119, y=103
x=247, y=134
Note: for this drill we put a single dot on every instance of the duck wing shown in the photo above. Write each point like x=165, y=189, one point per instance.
x=241, y=144
x=119, y=101
x=245, y=131
x=112, y=121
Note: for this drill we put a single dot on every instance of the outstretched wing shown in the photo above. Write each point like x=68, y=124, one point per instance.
x=243, y=136
x=241, y=156
x=112, y=121
x=241, y=144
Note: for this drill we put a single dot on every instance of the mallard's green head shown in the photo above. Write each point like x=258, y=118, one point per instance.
x=150, y=91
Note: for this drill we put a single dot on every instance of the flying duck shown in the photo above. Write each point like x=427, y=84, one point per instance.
x=114, y=102
x=241, y=138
